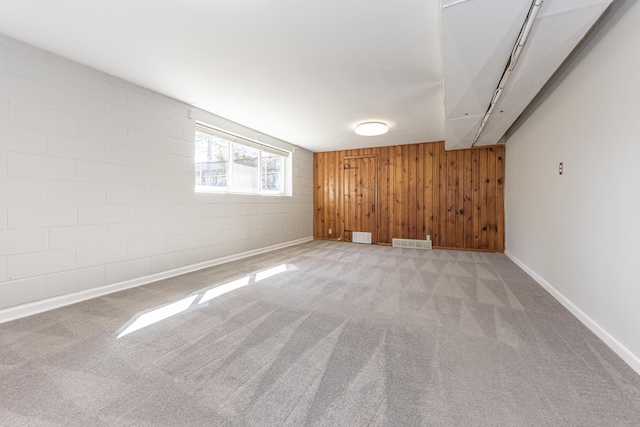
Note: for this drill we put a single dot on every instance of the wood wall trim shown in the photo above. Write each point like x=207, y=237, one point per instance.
x=455, y=196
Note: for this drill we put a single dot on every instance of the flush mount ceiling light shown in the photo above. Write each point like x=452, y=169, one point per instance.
x=371, y=129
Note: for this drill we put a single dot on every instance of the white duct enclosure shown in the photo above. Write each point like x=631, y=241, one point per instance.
x=499, y=54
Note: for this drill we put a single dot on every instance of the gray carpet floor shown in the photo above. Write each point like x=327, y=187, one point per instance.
x=322, y=333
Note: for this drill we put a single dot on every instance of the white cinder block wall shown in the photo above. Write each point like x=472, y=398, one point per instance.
x=97, y=185
x=577, y=233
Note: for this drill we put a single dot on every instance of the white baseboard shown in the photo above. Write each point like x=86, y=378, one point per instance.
x=35, y=307
x=620, y=349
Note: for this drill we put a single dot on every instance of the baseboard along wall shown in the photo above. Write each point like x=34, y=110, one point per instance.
x=612, y=342
x=40, y=306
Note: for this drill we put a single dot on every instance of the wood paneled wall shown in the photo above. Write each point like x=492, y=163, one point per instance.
x=455, y=196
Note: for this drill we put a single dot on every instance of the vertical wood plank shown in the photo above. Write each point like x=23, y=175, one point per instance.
x=332, y=183
x=428, y=189
x=370, y=182
x=421, y=229
x=444, y=182
x=467, y=182
x=476, y=199
x=382, y=208
x=318, y=217
x=398, y=193
x=392, y=192
x=452, y=164
x=373, y=192
x=459, y=202
x=350, y=214
x=406, y=192
x=491, y=201
x=484, y=178
x=411, y=205
x=326, y=200
x=501, y=152
x=338, y=166
x=435, y=176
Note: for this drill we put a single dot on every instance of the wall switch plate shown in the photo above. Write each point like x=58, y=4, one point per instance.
x=330, y=231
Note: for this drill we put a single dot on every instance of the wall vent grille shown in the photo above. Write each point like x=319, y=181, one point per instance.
x=360, y=237
x=410, y=243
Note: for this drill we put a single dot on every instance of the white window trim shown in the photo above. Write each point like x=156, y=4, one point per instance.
x=242, y=140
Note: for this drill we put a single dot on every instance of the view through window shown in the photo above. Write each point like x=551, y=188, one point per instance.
x=227, y=163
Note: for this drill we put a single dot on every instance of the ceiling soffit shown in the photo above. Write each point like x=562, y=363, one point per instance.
x=478, y=37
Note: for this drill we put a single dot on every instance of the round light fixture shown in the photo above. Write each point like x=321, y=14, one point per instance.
x=371, y=129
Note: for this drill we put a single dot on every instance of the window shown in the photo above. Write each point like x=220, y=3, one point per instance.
x=227, y=163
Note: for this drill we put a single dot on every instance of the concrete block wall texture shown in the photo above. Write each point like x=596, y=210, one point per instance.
x=97, y=184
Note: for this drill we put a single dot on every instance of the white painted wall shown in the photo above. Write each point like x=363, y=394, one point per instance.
x=579, y=233
x=97, y=184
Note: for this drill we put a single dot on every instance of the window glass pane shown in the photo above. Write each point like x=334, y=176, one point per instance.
x=224, y=164
x=212, y=160
x=246, y=168
x=272, y=172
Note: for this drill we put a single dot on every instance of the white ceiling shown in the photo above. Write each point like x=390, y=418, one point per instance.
x=304, y=71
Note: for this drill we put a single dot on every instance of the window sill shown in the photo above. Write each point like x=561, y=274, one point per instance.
x=208, y=190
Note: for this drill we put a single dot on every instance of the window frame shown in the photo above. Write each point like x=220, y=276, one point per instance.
x=246, y=142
